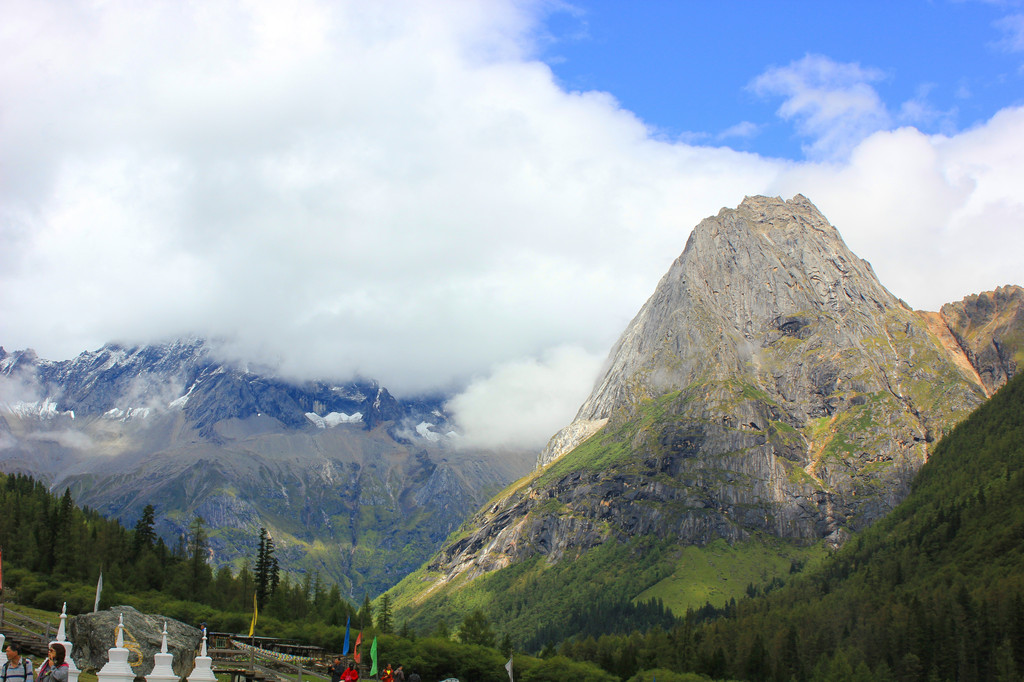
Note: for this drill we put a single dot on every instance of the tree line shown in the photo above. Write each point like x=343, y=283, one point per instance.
x=44, y=537
x=54, y=551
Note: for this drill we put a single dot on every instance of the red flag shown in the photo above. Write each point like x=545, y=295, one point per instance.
x=355, y=652
x=1, y=570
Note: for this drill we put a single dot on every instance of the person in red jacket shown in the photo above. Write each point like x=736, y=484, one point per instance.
x=350, y=674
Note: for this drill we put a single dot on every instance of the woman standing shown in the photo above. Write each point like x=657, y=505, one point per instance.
x=54, y=669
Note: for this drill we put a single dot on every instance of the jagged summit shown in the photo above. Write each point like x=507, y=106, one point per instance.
x=771, y=384
x=746, y=275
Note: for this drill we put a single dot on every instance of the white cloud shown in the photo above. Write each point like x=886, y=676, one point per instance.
x=931, y=213
x=744, y=129
x=523, y=403
x=1012, y=27
x=399, y=190
x=831, y=103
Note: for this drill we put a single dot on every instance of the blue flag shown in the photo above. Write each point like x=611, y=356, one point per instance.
x=344, y=650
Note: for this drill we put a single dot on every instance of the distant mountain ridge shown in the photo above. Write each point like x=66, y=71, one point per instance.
x=770, y=386
x=352, y=481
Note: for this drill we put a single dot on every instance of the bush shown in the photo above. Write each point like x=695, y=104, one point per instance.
x=667, y=676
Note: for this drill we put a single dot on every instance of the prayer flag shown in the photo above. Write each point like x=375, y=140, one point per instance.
x=1, y=570
x=344, y=649
x=255, y=612
x=355, y=651
x=373, y=657
x=508, y=667
x=99, y=589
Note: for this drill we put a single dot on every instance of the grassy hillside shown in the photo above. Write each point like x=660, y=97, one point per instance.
x=616, y=587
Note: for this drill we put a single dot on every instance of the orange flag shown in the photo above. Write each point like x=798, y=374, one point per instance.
x=355, y=652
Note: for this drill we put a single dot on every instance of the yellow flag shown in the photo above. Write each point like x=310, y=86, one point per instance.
x=252, y=626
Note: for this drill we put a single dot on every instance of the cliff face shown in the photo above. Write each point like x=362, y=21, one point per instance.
x=989, y=327
x=771, y=384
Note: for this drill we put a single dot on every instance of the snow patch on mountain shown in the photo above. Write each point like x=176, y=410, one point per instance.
x=38, y=409
x=423, y=428
x=128, y=414
x=334, y=419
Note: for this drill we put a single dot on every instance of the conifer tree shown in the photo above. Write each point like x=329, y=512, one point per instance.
x=198, y=547
x=144, y=534
x=476, y=629
x=64, y=546
x=267, y=576
x=384, y=614
x=365, y=615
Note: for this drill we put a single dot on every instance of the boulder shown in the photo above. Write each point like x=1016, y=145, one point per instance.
x=93, y=635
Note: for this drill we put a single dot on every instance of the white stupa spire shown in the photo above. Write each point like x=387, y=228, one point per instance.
x=63, y=620
x=203, y=670
x=73, y=671
x=117, y=668
x=163, y=668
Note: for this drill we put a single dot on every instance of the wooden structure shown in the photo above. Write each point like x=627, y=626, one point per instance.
x=256, y=663
x=33, y=637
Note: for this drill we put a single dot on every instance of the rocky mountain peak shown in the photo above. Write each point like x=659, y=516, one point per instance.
x=771, y=384
x=746, y=275
x=988, y=327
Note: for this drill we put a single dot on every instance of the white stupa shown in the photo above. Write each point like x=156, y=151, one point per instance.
x=203, y=670
x=73, y=670
x=117, y=668
x=163, y=670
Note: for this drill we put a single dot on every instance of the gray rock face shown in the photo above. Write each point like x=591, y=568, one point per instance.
x=988, y=328
x=771, y=384
x=93, y=634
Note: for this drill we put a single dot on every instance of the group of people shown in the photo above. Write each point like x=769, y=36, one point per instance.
x=348, y=673
x=18, y=668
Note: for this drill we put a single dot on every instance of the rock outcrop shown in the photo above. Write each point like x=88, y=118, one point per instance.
x=989, y=327
x=771, y=385
x=94, y=634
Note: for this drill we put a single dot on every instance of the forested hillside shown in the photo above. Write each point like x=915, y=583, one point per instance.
x=935, y=591
x=53, y=551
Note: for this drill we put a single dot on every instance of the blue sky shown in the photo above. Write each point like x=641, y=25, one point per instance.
x=688, y=68
x=477, y=195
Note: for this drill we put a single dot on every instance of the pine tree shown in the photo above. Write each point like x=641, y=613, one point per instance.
x=384, y=614
x=198, y=547
x=476, y=629
x=267, y=576
x=144, y=536
x=365, y=615
x=64, y=546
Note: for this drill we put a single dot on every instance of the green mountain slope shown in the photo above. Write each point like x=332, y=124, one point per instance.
x=933, y=591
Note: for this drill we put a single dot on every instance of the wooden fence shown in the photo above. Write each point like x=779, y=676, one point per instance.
x=33, y=636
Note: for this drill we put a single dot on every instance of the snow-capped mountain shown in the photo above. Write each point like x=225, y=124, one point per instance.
x=354, y=482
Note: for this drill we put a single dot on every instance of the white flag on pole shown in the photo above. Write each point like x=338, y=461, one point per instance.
x=508, y=667
x=99, y=588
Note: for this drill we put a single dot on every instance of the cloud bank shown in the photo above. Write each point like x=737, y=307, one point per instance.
x=405, y=192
